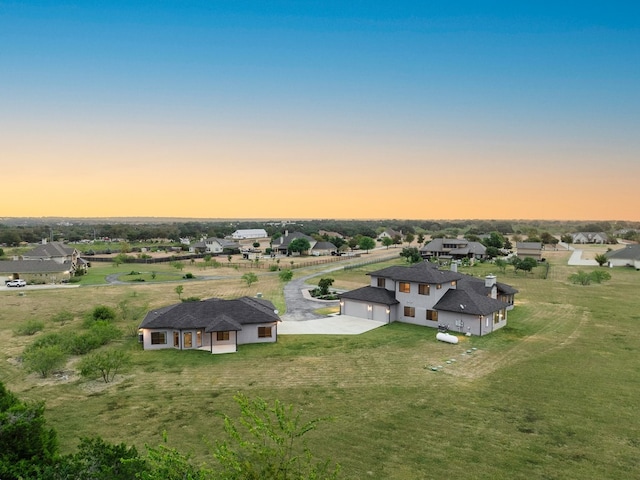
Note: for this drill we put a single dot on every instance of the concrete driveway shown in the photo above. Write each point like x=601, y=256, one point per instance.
x=332, y=325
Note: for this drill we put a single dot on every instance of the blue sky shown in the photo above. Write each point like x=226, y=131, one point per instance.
x=394, y=95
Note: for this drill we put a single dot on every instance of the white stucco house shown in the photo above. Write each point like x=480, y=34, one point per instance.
x=249, y=233
x=424, y=295
x=628, y=256
x=213, y=325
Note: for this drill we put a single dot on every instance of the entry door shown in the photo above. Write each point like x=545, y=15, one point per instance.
x=188, y=340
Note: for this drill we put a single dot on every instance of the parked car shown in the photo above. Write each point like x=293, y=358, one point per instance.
x=16, y=283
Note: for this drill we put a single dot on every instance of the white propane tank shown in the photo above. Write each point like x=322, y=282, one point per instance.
x=446, y=337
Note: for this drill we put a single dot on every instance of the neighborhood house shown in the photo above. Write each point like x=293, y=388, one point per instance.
x=424, y=295
x=214, y=325
x=50, y=262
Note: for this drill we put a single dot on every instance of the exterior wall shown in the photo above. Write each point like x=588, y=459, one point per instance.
x=624, y=262
x=146, y=338
x=214, y=247
x=249, y=333
x=414, y=299
x=222, y=346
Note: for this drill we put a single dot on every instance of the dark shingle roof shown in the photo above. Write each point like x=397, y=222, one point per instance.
x=529, y=245
x=371, y=294
x=53, y=249
x=422, y=272
x=324, y=246
x=468, y=302
x=212, y=314
x=285, y=240
x=33, y=266
x=630, y=252
x=467, y=282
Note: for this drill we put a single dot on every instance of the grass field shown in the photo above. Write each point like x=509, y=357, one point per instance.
x=553, y=395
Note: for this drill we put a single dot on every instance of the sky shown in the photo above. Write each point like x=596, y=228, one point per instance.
x=320, y=109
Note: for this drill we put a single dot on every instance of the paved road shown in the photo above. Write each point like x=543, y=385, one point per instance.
x=300, y=308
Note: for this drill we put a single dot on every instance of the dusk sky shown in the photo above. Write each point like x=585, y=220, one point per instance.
x=320, y=109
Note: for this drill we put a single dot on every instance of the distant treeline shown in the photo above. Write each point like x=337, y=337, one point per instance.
x=15, y=231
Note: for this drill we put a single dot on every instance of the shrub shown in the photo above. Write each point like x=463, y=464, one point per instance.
x=188, y=276
x=75, y=280
x=102, y=312
x=286, y=275
x=44, y=360
x=273, y=268
x=106, y=364
x=191, y=299
x=30, y=327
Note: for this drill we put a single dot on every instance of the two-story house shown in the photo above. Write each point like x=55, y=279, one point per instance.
x=453, y=249
x=281, y=244
x=424, y=295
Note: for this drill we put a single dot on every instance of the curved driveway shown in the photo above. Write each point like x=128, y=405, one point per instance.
x=301, y=308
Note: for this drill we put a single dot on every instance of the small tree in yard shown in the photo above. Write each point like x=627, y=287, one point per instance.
x=286, y=275
x=501, y=264
x=178, y=265
x=366, y=243
x=324, y=284
x=44, y=360
x=249, y=278
x=106, y=364
x=299, y=245
x=411, y=254
x=601, y=258
x=387, y=242
x=179, y=289
x=267, y=443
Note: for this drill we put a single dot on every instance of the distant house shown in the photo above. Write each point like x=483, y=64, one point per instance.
x=249, y=233
x=56, y=251
x=330, y=234
x=591, y=237
x=52, y=262
x=389, y=233
x=625, y=257
x=324, y=248
x=424, y=295
x=41, y=271
x=281, y=244
x=453, y=249
x=529, y=249
x=215, y=246
x=214, y=325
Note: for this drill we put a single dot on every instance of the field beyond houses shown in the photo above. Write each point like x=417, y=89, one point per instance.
x=552, y=396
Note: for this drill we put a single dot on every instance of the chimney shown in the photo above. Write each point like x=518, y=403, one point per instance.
x=490, y=282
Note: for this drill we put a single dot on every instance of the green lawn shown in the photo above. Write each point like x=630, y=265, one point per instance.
x=554, y=395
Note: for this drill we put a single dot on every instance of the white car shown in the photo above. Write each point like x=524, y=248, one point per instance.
x=16, y=283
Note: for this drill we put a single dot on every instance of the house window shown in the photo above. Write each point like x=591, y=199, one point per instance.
x=381, y=282
x=264, y=332
x=409, y=312
x=423, y=289
x=454, y=283
x=222, y=336
x=432, y=315
x=404, y=287
x=158, y=338
x=176, y=339
x=199, y=338
x=439, y=286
